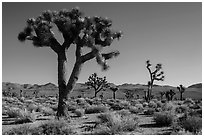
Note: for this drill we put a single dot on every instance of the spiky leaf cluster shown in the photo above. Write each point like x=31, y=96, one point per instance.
x=92, y=32
x=97, y=83
x=114, y=89
x=157, y=74
x=181, y=88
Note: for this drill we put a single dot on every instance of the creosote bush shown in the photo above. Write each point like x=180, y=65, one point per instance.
x=163, y=118
x=96, y=109
x=192, y=124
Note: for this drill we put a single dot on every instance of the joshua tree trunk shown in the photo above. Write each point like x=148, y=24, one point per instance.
x=181, y=96
x=62, y=85
x=113, y=95
x=65, y=89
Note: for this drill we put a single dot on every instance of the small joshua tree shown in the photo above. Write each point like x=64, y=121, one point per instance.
x=181, y=89
x=129, y=94
x=77, y=30
x=114, y=89
x=156, y=75
x=162, y=93
x=171, y=94
x=97, y=83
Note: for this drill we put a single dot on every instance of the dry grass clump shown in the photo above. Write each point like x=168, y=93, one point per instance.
x=114, y=123
x=53, y=127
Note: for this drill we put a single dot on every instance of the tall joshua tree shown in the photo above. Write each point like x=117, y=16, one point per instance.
x=97, y=83
x=114, y=89
x=77, y=30
x=181, y=89
x=156, y=75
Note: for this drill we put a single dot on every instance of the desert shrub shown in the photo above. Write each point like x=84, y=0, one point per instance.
x=114, y=123
x=163, y=118
x=116, y=106
x=71, y=107
x=125, y=104
x=123, y=112
x=95, y=109
x=197, y=113
x=135, y=110
x=149, y=111
x=80, y=100
x=188, y=101
x=53, y=127
x=168, y=106
x=47, y=111
x=192, y=124
x=159, y=104
x=32, y=107
x=181, y=109
x=22, y=130
x=13, y=112
x=152, y=104
x=26, y=117
x=145, y=104
x=54, y=107
x=90, y=101
x=79, y=112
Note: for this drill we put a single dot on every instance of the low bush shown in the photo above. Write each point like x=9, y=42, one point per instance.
x=22, y=130
x=163, y=118
x=159, y=104
x=152, y=104
x=149, y=111
x=114, y=123
x=168, y=106
x=47, y=111
x=13, y=112
x=181, y=109
x=145, y=104
x=188, y=101
x=53, y=127
x=116, y=106
x=96, y=109
x=79, y=112
x=135, y=110
x=123, y=112
x=26, y=117
x=192, y=124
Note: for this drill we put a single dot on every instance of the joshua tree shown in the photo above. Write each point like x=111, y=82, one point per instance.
x=129, y=94
x=77, y=30
x=171, y=94
x=181, y=90
x=157, y=75
x=162, y=93
x=114, y=89
x=97, y=83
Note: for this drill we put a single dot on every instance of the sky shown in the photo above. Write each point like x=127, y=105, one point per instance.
x=168, y=33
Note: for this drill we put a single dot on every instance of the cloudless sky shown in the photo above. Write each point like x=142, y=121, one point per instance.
x=167, y=33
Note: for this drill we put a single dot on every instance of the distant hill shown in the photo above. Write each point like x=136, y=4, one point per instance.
x=193, y=91
x=199, y=85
